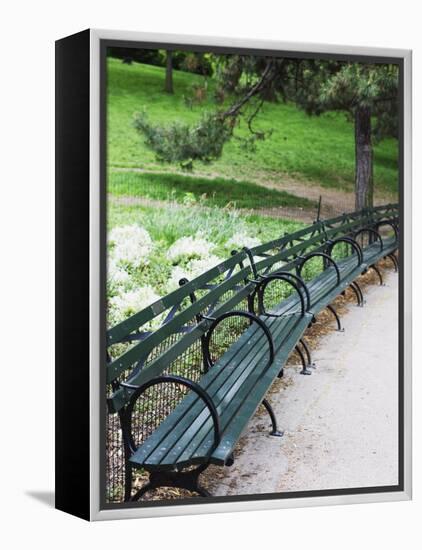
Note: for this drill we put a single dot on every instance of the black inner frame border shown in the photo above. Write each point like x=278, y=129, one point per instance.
x=106, y=43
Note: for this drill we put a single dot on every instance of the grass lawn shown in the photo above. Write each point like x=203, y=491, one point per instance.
x=209, y=191
x=319, y=149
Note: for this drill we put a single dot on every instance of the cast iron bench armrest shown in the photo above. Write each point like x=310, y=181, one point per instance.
x=322, y=255
x=283, y=277
x=349, y=240
x=391, y=224
x=175, y=379
x=237, y=313
x=297, y=279
x=373, y=231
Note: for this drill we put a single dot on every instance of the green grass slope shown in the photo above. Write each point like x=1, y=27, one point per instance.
x=219, y=192
x=319, y=149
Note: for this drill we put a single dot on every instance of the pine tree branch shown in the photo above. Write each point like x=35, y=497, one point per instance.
x=265, y=78
x=252, y=116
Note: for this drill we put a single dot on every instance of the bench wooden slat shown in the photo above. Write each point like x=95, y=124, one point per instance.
x=220, y=374
x=249, y=406
x=231, y=397
x=121, y=396
x=142, y=349
x=126, y=327
x=190, y=429
x=189, y=411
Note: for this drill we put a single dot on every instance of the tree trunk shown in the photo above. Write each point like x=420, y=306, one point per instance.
x=168, y=87
x=364, y=180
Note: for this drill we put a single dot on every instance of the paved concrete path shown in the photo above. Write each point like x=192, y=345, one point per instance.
x=341, y=423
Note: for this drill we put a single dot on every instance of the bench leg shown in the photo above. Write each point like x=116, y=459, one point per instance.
x=305, y=365
x=378, y=272
x=305, y=346
x=394, y=260
x=147, y=487
x=274, y=431
x=127, y=454
x=358, y=293
x=128, y=481
x=337, y=318
x=188, y=480
x=362, y=300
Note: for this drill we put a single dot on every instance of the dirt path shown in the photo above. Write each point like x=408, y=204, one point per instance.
x=286, y=213
x=334, y=201
x=340, y=423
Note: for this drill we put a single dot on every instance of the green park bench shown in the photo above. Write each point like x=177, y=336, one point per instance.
x=186, y=390
x=320, y=241
x=224, y=392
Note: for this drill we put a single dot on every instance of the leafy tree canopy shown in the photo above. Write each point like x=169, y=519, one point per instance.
x=366, y=92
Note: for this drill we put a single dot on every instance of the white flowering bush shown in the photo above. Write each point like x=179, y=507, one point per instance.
x=241, y=239
x=117, y=277
x=197, y=267
x=130, y=245
x=192, y=269
x=187, y=248
x=135, y=279
x=129, y=302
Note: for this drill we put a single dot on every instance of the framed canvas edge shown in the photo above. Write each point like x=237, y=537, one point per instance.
x=96, y=513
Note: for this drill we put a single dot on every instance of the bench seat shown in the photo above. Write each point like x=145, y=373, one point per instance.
x=373, y=252
x=237, y=384
x=323, y=288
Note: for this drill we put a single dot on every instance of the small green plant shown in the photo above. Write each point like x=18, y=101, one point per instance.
x=189, y=199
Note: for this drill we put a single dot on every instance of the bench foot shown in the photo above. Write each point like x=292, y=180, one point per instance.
x=306, y=371
x=230, y=461
x=202, y=492
x=274, y=431
x=188, y=480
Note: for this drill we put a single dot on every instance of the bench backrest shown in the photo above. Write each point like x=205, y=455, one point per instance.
x=285, y=252
x=146, y=354
x=138, y=353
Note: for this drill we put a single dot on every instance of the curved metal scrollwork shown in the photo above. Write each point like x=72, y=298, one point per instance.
x=173, y=379
x=374, y=232
x=301, y=282
x=322, y=255
x=352, y=243
x=392, y=225
x=263, y=285
x=237, y=313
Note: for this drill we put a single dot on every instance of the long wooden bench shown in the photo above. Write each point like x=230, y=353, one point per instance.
x=186, y=391
x=204, y=425
x=294, y=251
